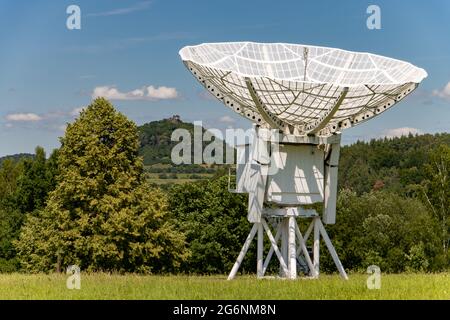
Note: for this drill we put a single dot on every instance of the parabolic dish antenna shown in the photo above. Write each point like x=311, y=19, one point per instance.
x=301, y=89
x=300, y=99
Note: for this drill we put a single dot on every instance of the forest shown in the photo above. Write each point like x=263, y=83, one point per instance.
x=89, y=203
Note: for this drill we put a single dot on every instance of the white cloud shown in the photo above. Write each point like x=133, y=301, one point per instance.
x=76, y=111
x=398, y=132
x=162, y=93
x=24, y=117
x=443, y=93
x=227, y=119
x=120, y=11
x=146, y=93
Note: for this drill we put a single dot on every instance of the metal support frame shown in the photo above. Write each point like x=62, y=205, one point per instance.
x=330, y=186
x=292, y=249
x=263, y=111
x=288, y=254
x=316, y=246
x=320, y=123
x=260, y=250
x=288, y=244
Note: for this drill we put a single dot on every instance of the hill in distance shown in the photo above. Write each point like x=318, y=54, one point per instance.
x=155, y=139
x=393, y=164
x=17, y=157
x=156, y=148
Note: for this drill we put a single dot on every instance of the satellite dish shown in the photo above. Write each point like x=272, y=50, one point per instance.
x=300, y=99
x=298, y=88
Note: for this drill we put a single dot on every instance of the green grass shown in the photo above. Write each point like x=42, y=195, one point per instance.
x=104, y=286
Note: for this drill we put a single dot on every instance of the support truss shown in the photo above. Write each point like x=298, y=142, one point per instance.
x=293, y=248
x=320, y=123
x=262, y=109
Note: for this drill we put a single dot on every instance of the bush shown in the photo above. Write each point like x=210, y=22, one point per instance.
x=215, y=223
x=384, y=229
x=417, y=260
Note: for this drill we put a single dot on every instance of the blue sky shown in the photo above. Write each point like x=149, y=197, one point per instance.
x=47, y=72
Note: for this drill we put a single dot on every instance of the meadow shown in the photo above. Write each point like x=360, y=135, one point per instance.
x=110, y=286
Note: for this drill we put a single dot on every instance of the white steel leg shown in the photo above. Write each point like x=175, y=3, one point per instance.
x=275, y=247
x=302, y=248
x=269, y=255
x=260, y=258
x=309, y=230
x=316, y=246
x=288, y=231
x=241, y=256
x=292, y=248
x=333, y=253
x=283, y=245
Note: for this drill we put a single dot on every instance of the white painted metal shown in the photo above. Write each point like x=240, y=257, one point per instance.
x=257, y=195
x=288, y=230
x=244, y=250
x=316, y=140
x=331, y=179
x=297, y=88
x=262, y=109
x=305, y=174
x=331, y=249
x=292, y=250
x=269, y=255
x=309, y=230
x=302, y=248
x=299, y=178
x=316, y=246
x=320, y=123
x=284, y=246
x=260, y=249
x=290, y=211
x=300, y=98
x=257, y=179
x=275, y=247
x=242, y=166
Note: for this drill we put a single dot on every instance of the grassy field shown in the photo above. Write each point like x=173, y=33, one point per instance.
x=180, y=178
x=104, y=286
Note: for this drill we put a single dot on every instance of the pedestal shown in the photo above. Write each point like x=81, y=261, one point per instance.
x=288, y=244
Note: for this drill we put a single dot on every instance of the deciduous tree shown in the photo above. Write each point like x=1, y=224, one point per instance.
x=102, y=214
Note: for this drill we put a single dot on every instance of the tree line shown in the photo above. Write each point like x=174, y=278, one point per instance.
x=89, y=204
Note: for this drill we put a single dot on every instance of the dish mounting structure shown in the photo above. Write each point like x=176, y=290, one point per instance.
x=299, y=98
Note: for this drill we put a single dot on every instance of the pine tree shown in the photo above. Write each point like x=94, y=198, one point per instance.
x=102, y=214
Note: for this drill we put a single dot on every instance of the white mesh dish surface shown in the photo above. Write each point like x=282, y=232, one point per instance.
x=298, y=88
